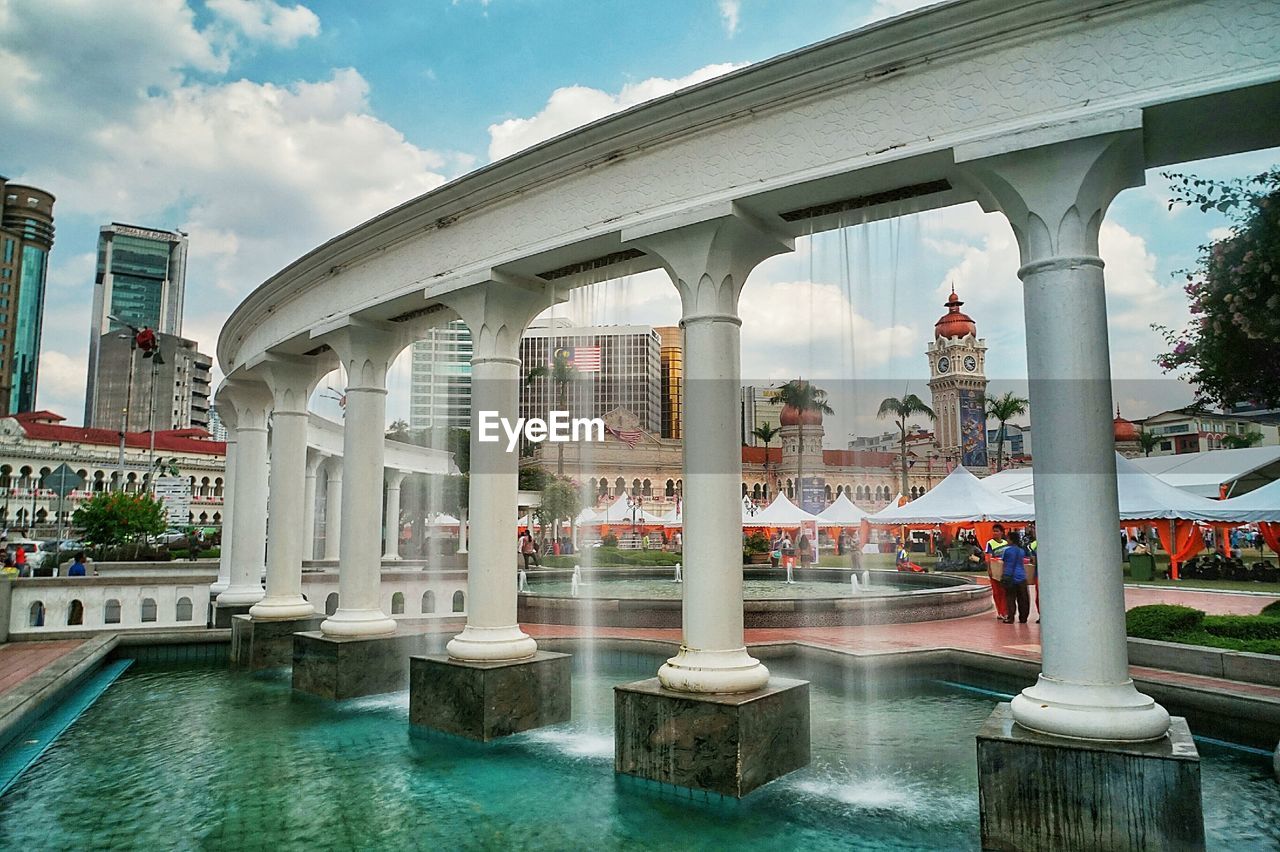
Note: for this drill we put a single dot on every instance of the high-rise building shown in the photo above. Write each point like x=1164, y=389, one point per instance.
x=178, y=384
x=140, y=282
x=26, y=237
x=760, y=405
x=958, y=382
x=440, y=378
x=672, y=355
x=617, y=366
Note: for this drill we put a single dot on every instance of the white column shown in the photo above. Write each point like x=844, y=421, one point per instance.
x=497, y=314
x=708, y=262
x=252, y=402
x=391, y=529
x=227, y=413
x=309, y=504
x=332, y=509
x=1055, y=194
x=366, y=351
x=291, y=381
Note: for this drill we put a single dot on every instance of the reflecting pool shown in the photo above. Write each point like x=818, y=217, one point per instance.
x=203, y=758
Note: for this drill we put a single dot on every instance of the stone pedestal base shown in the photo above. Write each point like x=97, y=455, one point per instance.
x=338, y=668
x=266, y=644
x=224, y=613
x=1037, y=791
x=727, y=744
x=485, y=701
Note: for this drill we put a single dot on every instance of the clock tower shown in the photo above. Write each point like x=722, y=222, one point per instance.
x=958, y=383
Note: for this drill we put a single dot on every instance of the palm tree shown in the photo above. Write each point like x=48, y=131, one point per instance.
x=804, y=398
x=561, y=373
x=901, y=409
x=1147, y=440
x=1004, y=408
x=766, y=432
x=1239, y=442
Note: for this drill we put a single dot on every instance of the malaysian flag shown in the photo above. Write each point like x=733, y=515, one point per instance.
x=630, y=437
x=586, y=359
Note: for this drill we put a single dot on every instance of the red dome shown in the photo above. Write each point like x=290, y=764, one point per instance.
x=791, y=416
x=954, y=322
x=1124, y=429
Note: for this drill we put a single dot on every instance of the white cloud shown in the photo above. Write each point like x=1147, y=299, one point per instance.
x=266, y=20
x=573, y=106
x=730, y=13
x=61, y=382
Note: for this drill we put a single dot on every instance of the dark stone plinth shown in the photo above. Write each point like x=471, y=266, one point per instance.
x=266, y=644
x=1037, y=791
x=727, y=744
x=222, y=614
x=337, y=668
x=485, y=701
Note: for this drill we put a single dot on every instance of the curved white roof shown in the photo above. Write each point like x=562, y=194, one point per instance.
x=959, y=498
x=842, y=512
x=1261, y=504
x=780, y=513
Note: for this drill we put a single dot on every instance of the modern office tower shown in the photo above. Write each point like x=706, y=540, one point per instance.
x=26, y=236
x=615, y=366
x=760, y=405
x=672, y=353
x=179, y=385
x=958, y=382
x=140, y=282
x=440, y=378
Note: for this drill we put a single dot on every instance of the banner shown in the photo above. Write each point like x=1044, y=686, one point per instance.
x=175, y=493
x=813, y=494
x=973, y=428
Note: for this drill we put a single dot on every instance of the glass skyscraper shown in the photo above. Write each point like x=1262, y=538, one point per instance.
x=140, y=281
x=26, y=236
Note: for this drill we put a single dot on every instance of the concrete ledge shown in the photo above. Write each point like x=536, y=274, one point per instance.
x=485, y=701
x=25, y=702
x=727, y=744
x=336, y=668
x=222, y=615
x=1041, y=792
x=1211, y=662
x=266, y=644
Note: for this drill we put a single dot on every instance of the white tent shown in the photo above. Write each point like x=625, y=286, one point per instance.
x=959, y=498
x=780, y=513
x=842, y=513
x=1144, y=497
x=674, y=518
x=617, y=513
x=1261, y=504
x=1013, y=482
x=586, y=516
x=1207, y=474
x=443, y=520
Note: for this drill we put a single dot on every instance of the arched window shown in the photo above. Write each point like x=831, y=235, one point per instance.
x=183, y=610
x=839, y=490
x=111, y=612
x=648, y=488
x=619, y=485
x=36, y=614
x=75, y=613
x=397, y=603
x=428, y=602
x=671, y=488
x=459, y=601
x=744, y=489
x=826, y=492
x=331, y=603
x=755, y=492
x=791, y=492
x=635, y=487
x=603, y=491
x=148, y=609
x=679, y=486
x=217, y=487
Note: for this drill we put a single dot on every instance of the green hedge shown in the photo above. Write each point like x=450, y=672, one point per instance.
x=1272, y=609
x=1258, y=634
x=611, y=556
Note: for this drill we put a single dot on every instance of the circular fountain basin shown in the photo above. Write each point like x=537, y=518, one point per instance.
x=819, y=597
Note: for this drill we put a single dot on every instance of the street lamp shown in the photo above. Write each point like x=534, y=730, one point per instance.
x=145, y=338
x=634, y=503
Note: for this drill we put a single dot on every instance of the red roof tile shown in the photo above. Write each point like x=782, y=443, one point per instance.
x=45, y=426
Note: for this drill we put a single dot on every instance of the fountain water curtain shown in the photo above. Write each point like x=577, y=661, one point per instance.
x=679, y=578
x=853, y=583
x=522, y=580
x=575, y=581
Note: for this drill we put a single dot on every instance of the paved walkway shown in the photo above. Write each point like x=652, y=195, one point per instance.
x=21, y=660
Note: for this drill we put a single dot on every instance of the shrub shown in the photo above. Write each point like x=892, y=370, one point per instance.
x=1272, y=609
x=1242, y=626
x=756, y=543
x=609, y=540
x=1161, y=621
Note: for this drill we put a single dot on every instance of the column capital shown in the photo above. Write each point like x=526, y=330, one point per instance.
x=1055, y=193
x=497, y=310
x=314, y=460
x=333, y=468
x=250, y=399
x=709, y=252
x=394, y=477
x=292, y=378
x=366, y=349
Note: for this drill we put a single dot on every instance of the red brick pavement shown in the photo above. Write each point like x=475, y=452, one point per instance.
x=20, y=660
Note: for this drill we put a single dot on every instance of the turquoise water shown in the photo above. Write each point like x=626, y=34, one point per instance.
x=206, y=759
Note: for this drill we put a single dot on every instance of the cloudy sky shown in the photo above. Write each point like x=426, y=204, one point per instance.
x=263, y=128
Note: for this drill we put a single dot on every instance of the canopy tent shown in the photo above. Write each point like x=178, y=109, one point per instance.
x=1259, y=505
x=674, y=518
x=1014, y=482
x=586, y=516
x=1218, y=473
x=443, y=520
x=958, y=499
x=841, y=513
x=1145, y=497
x=618, y=513
x=780, y=513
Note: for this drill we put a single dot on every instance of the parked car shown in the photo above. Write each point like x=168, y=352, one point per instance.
x=171, y=537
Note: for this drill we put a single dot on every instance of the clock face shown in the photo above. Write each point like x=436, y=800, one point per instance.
x=944, y=364
x=970, y=363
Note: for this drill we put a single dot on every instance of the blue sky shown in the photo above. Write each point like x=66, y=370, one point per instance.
x=264, y=128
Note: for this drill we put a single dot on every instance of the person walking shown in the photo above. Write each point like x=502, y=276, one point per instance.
x=804, y=549
x=529, y=550
x=77, y=568
x=995, y=547
x=1014, y=579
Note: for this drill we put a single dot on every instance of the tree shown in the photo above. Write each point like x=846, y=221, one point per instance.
x=399, y=431
x=1147, y=440
x=804, y=398
x=560, y=501
x=561, y=373
x=1004, y=408
x=901, y=409
x=1244, y=439
x=1230, y=351
x=766, y=432
x=112, y=518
